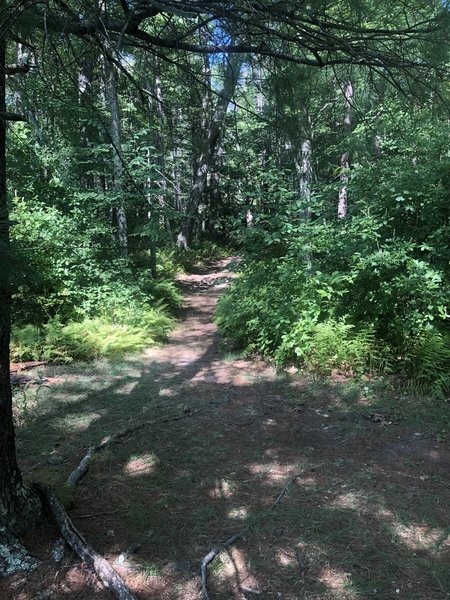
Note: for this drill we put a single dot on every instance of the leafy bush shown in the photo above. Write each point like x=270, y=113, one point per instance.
x=360, y=294
x=332, y=344
x=426, y=362
x=82, y=302
x=165, y=292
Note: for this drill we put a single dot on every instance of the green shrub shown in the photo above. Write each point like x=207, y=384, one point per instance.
x=382, y=314
x=332, y=344
x=165, y=292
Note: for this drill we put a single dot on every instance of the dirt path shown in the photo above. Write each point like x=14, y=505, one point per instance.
x=367, y=516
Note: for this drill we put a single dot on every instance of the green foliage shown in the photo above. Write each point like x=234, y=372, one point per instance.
x=332, y=344
x=367, y=293
x=165, y=292
x=124, y=331
x=73, y=301
x=427, y=360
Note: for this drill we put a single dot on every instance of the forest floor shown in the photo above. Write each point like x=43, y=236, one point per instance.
x=366, y=502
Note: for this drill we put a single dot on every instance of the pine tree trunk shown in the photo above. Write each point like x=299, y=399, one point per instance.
x=19, y=507
x=115, y=134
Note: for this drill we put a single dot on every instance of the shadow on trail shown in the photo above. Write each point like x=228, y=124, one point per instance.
x=357, y=522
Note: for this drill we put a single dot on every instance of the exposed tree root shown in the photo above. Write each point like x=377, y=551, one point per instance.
x=75, y=540
x=14, y=558
x=71, y=535
x=212, y=554
x=80, y=471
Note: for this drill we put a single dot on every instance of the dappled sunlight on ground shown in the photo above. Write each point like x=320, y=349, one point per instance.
x=238, y=513
x=76, y=423
x=235, y=572
x=338, y=582
x=351, y=500
x=222, y=489
x=365, y=516
x=140, y=465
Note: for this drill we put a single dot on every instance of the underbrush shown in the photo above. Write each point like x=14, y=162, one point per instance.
x=90, y=338
x=75, y=300
x=280, y=309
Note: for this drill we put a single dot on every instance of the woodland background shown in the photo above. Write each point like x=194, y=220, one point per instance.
x=332, y=183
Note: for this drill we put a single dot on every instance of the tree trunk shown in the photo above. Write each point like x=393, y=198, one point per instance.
x=85, y=132
x=157, y=213
x=115, y=134
x=304, y=175
x=213, y=194
x=345, y=158
x=19, y=506
x=158, y=139
x=176, y=156
x=210, y=144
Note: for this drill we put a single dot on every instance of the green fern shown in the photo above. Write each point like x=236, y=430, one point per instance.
x=427, y=360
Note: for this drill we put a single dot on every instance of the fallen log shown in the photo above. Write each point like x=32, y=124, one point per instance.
x=17, y=367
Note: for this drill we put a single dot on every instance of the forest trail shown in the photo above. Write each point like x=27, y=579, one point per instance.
x=365, y=516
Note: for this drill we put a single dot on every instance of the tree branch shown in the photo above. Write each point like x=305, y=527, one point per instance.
x=7, y=116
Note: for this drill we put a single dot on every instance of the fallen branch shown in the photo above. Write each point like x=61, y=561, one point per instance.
x=76, y=541
x=80, y=471
x=212, y=554
x=247, y=590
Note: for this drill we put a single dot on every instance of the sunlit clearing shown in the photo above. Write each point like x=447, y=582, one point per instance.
x=141, y=465
x=222, y=489
x=238, y=513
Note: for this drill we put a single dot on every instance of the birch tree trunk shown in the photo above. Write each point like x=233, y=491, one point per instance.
x=84, y=89
x=345, y=157
x=303, y=168
x=210, y=143
x=159, y=140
